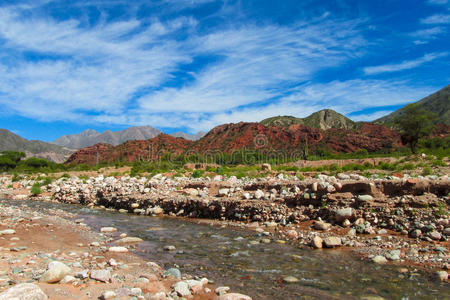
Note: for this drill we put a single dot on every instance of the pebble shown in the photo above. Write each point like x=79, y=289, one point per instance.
x=290, y=279
x=441, y=275
x=182, y=288
x=379, y=259
x=317, y=242
x=108, y=229
x=101, y=275
x=118, y=249
x=172, y=272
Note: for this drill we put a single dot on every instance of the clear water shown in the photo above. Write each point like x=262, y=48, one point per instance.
x=226, y=256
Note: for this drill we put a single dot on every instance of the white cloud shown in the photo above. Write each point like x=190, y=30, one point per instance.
x=438, y=2
x=370, y=117
x=356, y=95
x=437, y=19
x=257, y=63
x=405, y=65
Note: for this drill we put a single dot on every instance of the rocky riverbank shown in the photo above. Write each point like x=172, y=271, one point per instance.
x=53, y=255
x=399, y=220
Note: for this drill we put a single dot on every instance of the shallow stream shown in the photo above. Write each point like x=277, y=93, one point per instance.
x=226, y=256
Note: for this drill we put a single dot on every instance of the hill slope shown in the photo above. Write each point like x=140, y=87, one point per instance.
x=438, y=103
x=323, y=119
x=13, y=142
x=229, y=138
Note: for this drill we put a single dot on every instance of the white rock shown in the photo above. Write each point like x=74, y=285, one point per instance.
x=24, y=291
x=118, y=249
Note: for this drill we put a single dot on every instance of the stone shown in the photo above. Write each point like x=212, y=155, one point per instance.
x=259, y=194
x=292, y=234
x=108, y=229
x=128, y=240
x=343, y=214
x=233, y=296
x=317, y=242
x=169, y=248
x=393, y=255
x=332, y=241
x=435, y=235
x=68, y=279
x=24, y=291
x=118, y=249
x=182, y=288
x=223, y=192
x=56, y=271
x=101, y=275
x=379, y=259
x=159, y=296
x=172, y=272
x=365, y=198
x=108, y=295
x=290, y=279
x=441, y=275
x=7, y=232
x=266, y=167
x=222, y=290
x=320, y=225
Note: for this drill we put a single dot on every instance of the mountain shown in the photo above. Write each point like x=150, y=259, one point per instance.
x=228, y=138
x=91, y=137
x=323, y=119
x=438, y=103
x=13, y=142
x=191, y=137
x=130, y=151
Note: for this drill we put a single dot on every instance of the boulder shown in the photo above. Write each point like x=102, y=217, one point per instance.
x=233, y=296
x=332, y=241
x=56, y=271
x=24, y=291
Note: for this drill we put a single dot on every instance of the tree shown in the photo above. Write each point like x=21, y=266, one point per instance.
x=414, y=123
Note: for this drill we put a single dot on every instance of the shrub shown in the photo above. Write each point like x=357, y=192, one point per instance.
x=197, y=173
x=427, y=171
x=36, y=189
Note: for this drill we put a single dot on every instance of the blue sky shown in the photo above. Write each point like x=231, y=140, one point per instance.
x=190, y=65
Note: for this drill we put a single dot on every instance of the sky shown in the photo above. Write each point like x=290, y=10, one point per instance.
x=190, y=65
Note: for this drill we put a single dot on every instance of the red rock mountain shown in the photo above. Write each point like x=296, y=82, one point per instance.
x=251, y=136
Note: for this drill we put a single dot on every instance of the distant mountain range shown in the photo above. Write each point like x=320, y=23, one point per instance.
x=325, y=129
x=323, y=119
x=438, y=103
x=91, y=137
x=12, y=142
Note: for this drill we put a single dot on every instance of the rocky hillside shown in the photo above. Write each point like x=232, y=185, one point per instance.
x=438, y=103
x=91, y=137
x=323, y=119
x=13, y=142
x=232, y=137
x=191, y=137
x=131, y=151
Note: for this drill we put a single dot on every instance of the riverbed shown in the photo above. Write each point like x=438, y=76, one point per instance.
x=237, y=258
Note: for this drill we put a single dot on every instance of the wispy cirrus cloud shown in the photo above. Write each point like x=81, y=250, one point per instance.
x=437, y=19
x=159, y=63
x=438, y=2
x=405, y=65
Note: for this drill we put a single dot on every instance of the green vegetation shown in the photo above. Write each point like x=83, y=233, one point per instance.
x=414, y=124
x=437, y=103
x=36, y=189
